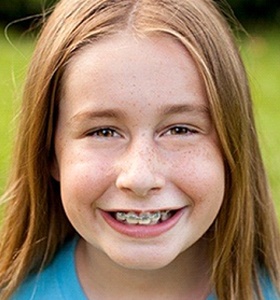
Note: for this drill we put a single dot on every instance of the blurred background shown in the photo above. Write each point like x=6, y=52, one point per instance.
x=258, y=34
x=247, y=11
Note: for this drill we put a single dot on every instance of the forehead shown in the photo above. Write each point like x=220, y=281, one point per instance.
x=126, y=65
x=126, y=49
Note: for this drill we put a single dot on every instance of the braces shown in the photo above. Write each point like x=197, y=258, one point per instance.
x=143, y=218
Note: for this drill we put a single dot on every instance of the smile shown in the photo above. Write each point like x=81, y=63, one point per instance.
x=146, y=224
x=146, y=218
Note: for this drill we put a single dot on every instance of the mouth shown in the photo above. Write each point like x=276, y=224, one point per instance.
x=143, y=218
x=143, y=224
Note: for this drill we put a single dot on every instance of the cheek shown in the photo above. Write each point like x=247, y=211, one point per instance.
x=200, y=174
x=83, y=180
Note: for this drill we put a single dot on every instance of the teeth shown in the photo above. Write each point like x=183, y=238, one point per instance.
x=144, y=219
x=149, y=218
x=155, y=217
x=132, y=218
x=165, y=215
x=120, y=216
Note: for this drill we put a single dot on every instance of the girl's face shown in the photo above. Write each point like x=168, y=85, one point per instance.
x=137, y=155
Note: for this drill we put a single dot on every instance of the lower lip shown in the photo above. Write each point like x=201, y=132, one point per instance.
x=142, y=231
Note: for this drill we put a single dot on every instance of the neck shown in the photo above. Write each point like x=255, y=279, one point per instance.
x=187, y=277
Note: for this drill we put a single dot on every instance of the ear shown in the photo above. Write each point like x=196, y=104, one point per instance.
x=54, y=169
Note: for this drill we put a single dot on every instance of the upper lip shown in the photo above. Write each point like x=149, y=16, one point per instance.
x=126, y=210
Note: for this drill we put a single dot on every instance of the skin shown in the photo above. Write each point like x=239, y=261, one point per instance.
x=134, y=134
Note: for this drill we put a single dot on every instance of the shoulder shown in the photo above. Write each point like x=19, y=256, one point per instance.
x=53, y=281
x=268, y=289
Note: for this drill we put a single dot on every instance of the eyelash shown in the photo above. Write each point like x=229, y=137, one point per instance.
x=108, y=132
x=180, y=130
x=105, y=132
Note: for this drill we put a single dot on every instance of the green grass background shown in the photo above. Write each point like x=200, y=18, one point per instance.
x=261, y=52
x=15, y=53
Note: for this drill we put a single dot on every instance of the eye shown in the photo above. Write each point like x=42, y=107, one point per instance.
x=104, y=133
x=180, y=130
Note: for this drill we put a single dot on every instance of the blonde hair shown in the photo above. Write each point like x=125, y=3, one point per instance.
x=245, y=236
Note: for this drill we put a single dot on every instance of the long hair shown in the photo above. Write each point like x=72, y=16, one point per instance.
x=244, y=238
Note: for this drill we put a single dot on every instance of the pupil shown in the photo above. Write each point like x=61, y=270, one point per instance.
x=106, y=132
x=179, y=130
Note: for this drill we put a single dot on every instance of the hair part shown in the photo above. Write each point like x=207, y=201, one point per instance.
x=245, y=233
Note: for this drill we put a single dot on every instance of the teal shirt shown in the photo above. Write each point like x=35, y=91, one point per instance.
x=59, y=281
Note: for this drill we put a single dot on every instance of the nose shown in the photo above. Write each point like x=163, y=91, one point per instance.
x=140, y=172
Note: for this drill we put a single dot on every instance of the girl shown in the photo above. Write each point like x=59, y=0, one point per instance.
x=137, y=171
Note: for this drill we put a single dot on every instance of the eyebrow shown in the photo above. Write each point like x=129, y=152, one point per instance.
x=104, y=113
x=115, y=113
x=183, y=108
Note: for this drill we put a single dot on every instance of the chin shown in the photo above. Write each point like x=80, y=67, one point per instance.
x=145, y=260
